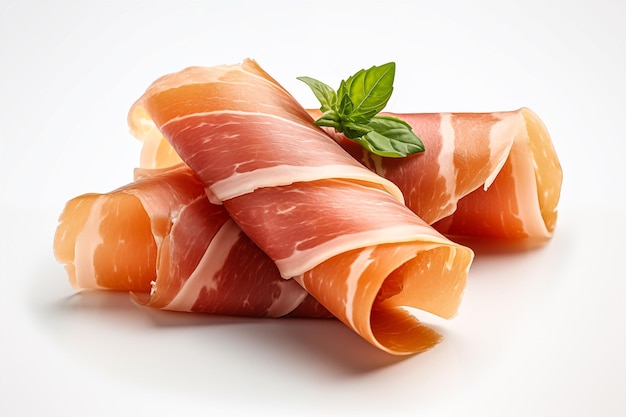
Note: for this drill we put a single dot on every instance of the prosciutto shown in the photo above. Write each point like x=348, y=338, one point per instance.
x=267, y=215
x=484, y=176
x=328, y=223
x=162, y=239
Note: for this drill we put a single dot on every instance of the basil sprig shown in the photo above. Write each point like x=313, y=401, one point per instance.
x=353, y=110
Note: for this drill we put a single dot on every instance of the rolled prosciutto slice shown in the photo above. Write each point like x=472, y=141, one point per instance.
x=483, y=175
x=162, y=239
x=491, y=175
x=332, y=225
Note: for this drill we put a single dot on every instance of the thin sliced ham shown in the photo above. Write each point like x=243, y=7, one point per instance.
x=489, y=175
x=335, y=227
x=483, y=175
x=162, y=239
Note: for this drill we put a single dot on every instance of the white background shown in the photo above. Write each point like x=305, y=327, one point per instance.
x=539, y=333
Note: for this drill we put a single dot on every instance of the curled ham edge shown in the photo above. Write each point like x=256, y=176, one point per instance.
x=160, y=238
x=501, y=175
x=369, y=281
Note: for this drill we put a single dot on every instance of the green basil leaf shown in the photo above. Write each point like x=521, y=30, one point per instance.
x=345, y=106
x=330, y=119
x=391, y=137
x=353, y=130
x=342, y=91
x=324, y=93
x=353, y=109
x=370, y=91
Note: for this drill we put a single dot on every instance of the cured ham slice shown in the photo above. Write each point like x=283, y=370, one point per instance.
x=492, y=175
x=338, y=229
x=483, y=175
x=161, y=238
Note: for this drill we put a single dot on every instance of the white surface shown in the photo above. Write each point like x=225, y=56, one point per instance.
x=539, y=333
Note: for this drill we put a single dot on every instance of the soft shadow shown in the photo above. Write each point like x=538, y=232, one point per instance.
x=327, y=342
x=504, y=258
x=563, y=235
x=120, y=302
x=317, y=340
x=95, y=300
x=329, y=339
